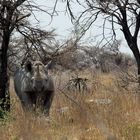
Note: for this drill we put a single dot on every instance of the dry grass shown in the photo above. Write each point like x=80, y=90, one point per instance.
x=105, y=112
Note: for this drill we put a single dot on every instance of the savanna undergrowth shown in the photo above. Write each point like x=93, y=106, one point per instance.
x=104, y=111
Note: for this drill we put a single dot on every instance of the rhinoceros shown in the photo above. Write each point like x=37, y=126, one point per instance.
x=34, y=86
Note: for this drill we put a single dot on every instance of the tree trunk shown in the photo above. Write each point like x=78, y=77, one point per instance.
x=136, y=54
x=132, y=43
x=137, y=57
x=134, y=48
x=4, y=86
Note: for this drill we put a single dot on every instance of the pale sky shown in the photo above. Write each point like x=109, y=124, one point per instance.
x=63, y=25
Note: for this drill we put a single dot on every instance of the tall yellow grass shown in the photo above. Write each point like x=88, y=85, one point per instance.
x=104, y=112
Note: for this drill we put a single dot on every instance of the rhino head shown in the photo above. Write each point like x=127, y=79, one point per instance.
x=39, y=79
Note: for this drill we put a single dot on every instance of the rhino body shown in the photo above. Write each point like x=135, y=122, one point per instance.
x=34, y=87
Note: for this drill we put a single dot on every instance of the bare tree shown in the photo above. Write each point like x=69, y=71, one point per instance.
x=124, y=13
x=33, y=47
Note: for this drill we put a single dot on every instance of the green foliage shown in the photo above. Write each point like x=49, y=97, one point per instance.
x=132, y=132
x=14, y=138
x=4, y=107
x=6, y=118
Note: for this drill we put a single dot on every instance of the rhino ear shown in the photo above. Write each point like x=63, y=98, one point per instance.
x=49, y=65
x=28, y=66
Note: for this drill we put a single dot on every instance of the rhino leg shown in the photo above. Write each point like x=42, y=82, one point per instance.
x=48, y=102
x=28, y=102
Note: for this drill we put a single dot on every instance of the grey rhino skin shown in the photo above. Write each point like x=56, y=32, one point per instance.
x=34, y=87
